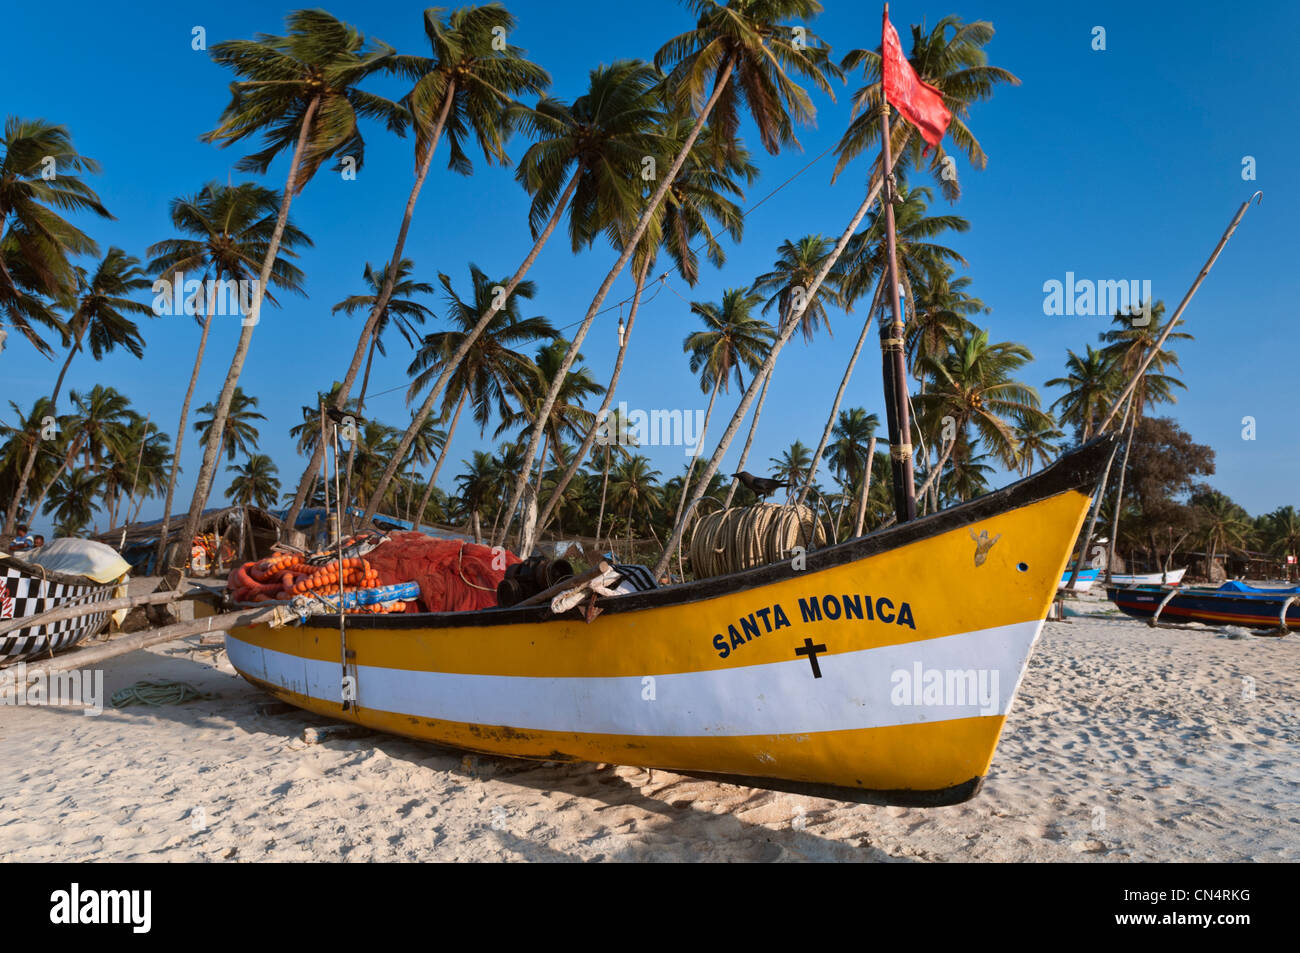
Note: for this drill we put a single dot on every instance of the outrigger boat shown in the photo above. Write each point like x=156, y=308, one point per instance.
x=903, y=656
x=1233, y=603
x=1172, y=578
x=29, y=589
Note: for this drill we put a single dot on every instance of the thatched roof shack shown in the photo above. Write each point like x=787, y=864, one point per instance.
x=244, y=532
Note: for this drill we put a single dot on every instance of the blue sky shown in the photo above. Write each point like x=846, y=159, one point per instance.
x=1119, y=164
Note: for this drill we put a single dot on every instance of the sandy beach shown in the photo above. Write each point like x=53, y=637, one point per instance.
x=1126, y=744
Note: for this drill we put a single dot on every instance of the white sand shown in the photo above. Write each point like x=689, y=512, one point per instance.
x=1126, y=743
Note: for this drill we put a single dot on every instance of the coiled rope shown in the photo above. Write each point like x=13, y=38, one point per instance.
x=157, y=693
x=747, y=536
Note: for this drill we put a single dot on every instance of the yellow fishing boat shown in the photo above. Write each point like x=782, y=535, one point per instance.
x=879, y=670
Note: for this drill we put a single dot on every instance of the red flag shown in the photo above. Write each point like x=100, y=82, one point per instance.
x=919, y=102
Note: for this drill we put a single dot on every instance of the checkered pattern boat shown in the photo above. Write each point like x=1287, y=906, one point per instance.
x=29, y=590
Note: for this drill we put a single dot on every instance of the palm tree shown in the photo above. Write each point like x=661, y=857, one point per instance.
x=1282, y=530
x=793, y=273
x=701, y=193
x=941, y=305
x=139, y=466
x=596, y=145
x=1224, y=525
x=865, y=264
x=40, y=177
x=734, y=339
x=100, y=318
x=634, y=489
x=1092, y=382
x=617, y=439
x=974, y=385
x=300, y=91
x=1036, y=442
x=71, y=500
x=401, y=311
x=240, y=434
x=792, y=466
x=477, y=485
x=491, y=374
x=25, y=438
x=741, y=53
x=255, y=483
x=954, y=63
x=465, y=88
x=1129, y=343
x=956, y=66
x=225, y=234
x=568, y=416
x=96, y=430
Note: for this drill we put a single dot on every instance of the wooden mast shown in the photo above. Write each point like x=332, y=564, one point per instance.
x=894, y=365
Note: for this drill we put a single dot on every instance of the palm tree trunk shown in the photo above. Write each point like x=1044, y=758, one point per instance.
x=212, y=451
x=877, y=182
x=11, y=518
x=686, y=481
x=180, y=427
x=381, y=304
x=58, y=383
x=587, y=441
x=839, y=396
x=67, y=462
x=749, y=440
x=866, y=488
x=1119, y=499
x=932, y=479
x=468, y=342
x=628, y=249
x=604, y=487
x=361, y=403
x=442, y=457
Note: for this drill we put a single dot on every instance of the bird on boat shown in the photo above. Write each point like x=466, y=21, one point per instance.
x=762, y=487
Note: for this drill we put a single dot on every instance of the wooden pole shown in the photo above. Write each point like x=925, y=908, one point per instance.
x=891, y=348
x=142, y=640
x=89, y=608
x=1173, y=321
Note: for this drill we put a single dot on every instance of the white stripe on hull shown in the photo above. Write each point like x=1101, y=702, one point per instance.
x=855, y=691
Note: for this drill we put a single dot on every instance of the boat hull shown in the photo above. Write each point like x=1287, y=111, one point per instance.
x=1172, y=578
x=29, y=590
x=1082, y=584
x=1209, y=607
x=879, y=670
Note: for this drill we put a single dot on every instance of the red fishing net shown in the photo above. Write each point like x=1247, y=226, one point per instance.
x=454, y=576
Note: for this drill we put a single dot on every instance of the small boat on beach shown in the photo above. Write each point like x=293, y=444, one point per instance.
x=1082, y=584
x=905, y=651
x=42, y=582
x=1233, y=603
x=1172, y=578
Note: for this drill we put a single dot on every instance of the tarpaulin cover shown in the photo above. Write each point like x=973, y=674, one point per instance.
x=454, y=576
x=1241, y=587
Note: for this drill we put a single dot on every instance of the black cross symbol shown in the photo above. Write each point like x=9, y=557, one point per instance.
x=811, y=651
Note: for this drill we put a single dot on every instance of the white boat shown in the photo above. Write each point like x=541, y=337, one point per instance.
x=1082, y=584
x=1172, y=578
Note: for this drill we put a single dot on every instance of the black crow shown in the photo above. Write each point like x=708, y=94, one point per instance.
x=762, y=487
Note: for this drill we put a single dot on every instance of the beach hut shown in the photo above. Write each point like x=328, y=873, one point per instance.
x=240, y=533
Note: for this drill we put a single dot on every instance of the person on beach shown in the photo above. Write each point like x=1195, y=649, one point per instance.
x=23, y=541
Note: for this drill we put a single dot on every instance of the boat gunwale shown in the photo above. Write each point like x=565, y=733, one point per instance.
x=37, y=571
x=1077, y=470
